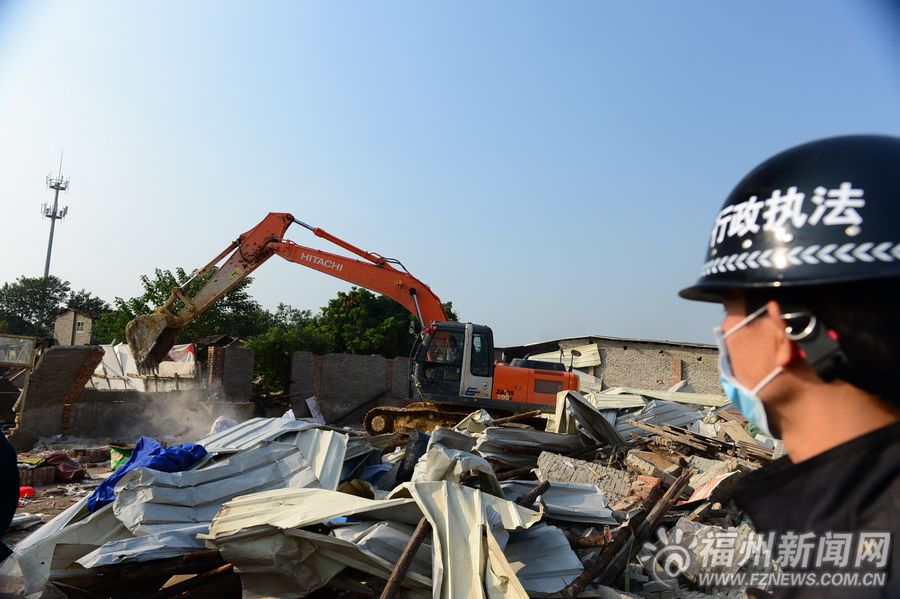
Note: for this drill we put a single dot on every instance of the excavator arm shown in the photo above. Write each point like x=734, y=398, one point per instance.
x=151, y=336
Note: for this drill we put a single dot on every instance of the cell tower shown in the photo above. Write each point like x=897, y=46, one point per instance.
x=57, y=184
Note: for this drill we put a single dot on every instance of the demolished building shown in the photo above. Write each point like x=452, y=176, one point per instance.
x=560, y=505
x=281, y=507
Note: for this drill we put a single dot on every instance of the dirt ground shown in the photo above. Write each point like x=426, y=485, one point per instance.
x=55, y=498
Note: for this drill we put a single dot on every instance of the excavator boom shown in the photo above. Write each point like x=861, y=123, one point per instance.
x=151, y=336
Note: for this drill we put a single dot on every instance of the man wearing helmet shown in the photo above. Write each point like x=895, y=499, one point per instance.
x=805, y=257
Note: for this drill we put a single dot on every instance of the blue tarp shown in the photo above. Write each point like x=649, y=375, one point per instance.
x=147, y=453
x=372, y=474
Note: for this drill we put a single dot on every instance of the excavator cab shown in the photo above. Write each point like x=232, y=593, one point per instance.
x=454, y=360
x=454, y=363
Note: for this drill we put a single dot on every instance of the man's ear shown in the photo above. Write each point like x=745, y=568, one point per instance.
x=785, y=349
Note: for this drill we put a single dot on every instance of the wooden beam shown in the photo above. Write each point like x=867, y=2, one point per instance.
x=406, y=558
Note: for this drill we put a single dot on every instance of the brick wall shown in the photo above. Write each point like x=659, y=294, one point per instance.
x=649, y=365
x=215, y=362
x=346, y=384
x=230, y=370
x=54, y=386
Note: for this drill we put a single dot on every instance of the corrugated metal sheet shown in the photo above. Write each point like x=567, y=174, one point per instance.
x=542, y=559
x=657, y=412
x=603, y=401
x=260, y=534
x=326, y=451
x=572, y=502
x=697, y=399
x=337, y=554
x=296, y=508
x=387, y=540
x=589, y=421
x=252, y=432
x=293, y=563
x=149, y=501
x=443, y=463
x=499, y=444
x=39, y=555
x=590, y=356
x=459, y=517
x=610, y=415
x=171, y=543
x=588, y=383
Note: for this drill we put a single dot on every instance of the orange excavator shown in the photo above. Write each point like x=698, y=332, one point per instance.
x=454, y=369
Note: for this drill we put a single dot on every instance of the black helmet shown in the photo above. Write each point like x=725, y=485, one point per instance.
x=820, y=213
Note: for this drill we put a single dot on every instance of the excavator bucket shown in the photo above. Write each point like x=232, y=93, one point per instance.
x=150, y=338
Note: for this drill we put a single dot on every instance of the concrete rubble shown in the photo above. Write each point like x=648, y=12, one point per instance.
x=285, y=507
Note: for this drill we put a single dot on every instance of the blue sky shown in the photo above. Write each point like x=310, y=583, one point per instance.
x=553, y=169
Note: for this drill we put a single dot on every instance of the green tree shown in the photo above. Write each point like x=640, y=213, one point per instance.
x=360, y=322
x=29, y=306
x=110, y=327
x=291, y=330
x=357, y=321
x=84, y=300
x=237, y=312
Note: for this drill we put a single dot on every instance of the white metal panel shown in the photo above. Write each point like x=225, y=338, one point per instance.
x=590, y=356
x=498, y=444
x=387, y=540
x=542, y=559
x=296, y=508
x=459, y=517
x=700, y=399
x=169, y=543
x=149, y=499
x=253, y=431
x=571, y=502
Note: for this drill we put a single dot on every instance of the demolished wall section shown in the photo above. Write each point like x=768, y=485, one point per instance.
x=303, y=368
x=54, y=386
x=125, y=415
x=346, y=383
x=231, y=372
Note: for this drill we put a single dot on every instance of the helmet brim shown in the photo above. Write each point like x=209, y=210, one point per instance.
x=709, y=291
x=702, y=293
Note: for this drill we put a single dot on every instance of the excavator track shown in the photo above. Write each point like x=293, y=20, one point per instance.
x=427, y=415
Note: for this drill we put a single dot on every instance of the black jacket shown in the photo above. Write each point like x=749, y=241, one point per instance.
x=850, y=488
x=9, y=488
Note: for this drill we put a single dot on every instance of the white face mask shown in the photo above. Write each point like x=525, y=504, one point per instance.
x=746, y=400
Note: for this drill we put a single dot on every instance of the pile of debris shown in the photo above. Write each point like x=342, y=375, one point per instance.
x=279, y=507
x=51, y=480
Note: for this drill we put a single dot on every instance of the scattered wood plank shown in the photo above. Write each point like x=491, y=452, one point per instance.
x=406, y=558
x=528, y=499
x=627, y=541
x=709, y=446
x=590, y=542
x=516, y=417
